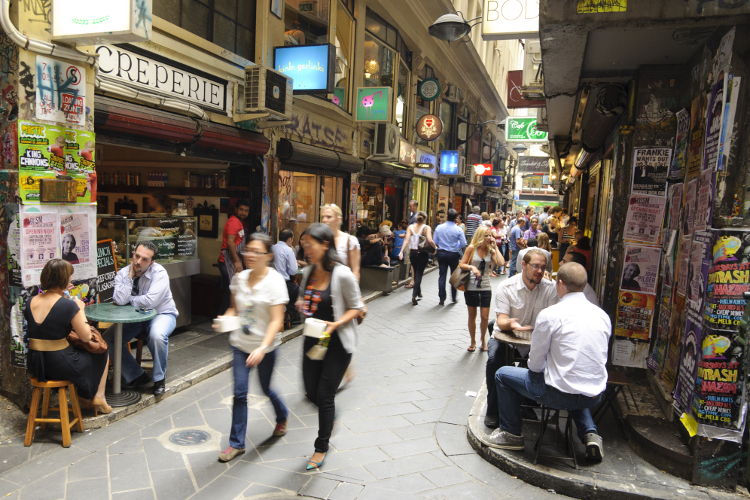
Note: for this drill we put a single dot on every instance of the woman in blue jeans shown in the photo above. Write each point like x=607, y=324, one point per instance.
x=259, y=294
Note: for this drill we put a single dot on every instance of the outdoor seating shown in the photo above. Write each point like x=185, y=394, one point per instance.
x=379, y=279
x=549, y=414
x=64, y=387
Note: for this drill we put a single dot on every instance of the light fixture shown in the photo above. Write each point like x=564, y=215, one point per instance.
x=519, y=148
x=450, y=27
x=371, y=67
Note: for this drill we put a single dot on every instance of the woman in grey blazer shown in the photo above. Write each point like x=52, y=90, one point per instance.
x=328, y=292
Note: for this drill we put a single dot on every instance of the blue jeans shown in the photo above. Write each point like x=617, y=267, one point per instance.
x=446, y=260
x=513, y=262
x=239, y=407
x=513, y=384
x=158, y=329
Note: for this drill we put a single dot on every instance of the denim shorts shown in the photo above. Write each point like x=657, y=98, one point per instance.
x=478, y=298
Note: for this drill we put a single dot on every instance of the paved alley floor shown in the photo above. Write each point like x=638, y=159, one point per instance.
x=400, y=429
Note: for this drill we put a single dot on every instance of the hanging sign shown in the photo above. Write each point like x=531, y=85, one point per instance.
x=95, y=21
x=494, y=181
x=310, y=66
x=483, y=169
x=515, y=97
x=523, y=130
x=429, y=127
x=533, y=164
x=374, y=104
x=449, y=163
x=407, y=154
x=429, y=89
x=510, y=19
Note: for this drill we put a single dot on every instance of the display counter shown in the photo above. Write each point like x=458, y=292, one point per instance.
x=176, y=239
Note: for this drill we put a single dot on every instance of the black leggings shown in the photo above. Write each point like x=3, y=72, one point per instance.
x=322, y=379
x=419, y=261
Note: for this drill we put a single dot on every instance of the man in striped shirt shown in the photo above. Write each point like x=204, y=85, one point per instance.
x=472, y=222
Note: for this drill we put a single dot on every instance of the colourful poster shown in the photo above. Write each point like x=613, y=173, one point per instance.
x=374, y=105
x=728, y=279
x=39, y=239
x=714, y=122
x=688, y=211
x=683, y=259
x=697, y=135
x=727, y=131
x=679, y=160
x=697, y=274
x=644, y=219
x=641, y=270
x=691, y=355
x=704, y=204
x=674, y=344
x=650, y=169
x=634, y=314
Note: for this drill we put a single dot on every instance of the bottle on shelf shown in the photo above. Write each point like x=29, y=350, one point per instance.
x=115, y=176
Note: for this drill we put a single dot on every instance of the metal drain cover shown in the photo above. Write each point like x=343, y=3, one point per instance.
x=191, y=437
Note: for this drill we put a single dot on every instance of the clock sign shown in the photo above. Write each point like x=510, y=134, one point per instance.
x=429, y=127
x=429, y=89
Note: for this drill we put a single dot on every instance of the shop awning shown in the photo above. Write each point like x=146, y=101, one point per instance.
x=127, y=124
x=378, y=169
x=306, y=157
x=403, y=173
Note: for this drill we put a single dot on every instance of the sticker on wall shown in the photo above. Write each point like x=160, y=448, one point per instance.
x=60, y=91
x=374, y=104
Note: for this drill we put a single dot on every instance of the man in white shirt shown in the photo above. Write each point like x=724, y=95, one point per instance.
x=518, y=301
x=567, y=366
x=285, y=263
x=579, y=258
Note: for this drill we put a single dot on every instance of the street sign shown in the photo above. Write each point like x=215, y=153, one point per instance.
x=492, y=181
x=523, y=130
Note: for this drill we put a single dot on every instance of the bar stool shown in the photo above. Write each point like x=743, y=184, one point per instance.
x=616, y=381
x=547, y=415
x=63, y=387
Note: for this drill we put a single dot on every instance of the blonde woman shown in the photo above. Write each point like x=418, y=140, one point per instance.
x=479, y=258
x=347, y=246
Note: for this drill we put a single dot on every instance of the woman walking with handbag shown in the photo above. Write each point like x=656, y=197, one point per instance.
x=331, y=294
x=49, y=317
x=419, y=238
x=259, y=295
x=479, y=258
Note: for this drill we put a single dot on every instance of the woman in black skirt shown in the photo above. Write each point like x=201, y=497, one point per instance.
x=50, y=318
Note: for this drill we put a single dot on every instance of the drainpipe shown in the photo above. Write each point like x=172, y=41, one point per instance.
x=117, y=89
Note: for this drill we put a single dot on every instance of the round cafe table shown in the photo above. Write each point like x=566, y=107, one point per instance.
x=117, y=315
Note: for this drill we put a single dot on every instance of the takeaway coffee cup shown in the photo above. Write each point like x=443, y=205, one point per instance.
x=314, y=328
x=227, y=324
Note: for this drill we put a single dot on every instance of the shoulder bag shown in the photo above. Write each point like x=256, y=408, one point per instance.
x=424, y=245
x=460, y=277
x=97, y=345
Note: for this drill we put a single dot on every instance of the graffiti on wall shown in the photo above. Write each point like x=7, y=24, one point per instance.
x=317, y=132
x=60, y=91
x=39, y=10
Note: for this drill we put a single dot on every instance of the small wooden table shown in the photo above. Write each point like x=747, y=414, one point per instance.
x=117, y=315
x=509, y=338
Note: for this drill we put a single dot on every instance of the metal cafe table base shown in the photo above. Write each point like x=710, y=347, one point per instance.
x=117, y=315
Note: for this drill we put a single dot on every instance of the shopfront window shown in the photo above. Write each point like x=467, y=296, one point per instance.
x=306, y=22
x=332, y=191
x=402, y=99
x=446, y=115
x=370, y=205
x=298, y=203
x=344, y=43
x=379, y=63
x=229, y=24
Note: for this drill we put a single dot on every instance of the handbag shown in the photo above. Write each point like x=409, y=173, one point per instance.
x=424, y=245
x=460, y=277
x=96, y=345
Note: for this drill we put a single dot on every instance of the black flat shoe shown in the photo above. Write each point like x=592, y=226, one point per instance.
x=142, y=380
x=159, y=388
x=492, y=421
x=414, y=301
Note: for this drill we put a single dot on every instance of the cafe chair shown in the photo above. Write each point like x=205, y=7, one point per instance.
x=549, y=414
x=616, y=381
x=64, y=387
x=142, y=339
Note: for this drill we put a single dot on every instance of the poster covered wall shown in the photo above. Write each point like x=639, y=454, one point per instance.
x=650, y=170
x=644, y=219
x=641, y=270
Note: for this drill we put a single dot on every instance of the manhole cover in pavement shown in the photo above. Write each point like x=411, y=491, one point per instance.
x=191, y=437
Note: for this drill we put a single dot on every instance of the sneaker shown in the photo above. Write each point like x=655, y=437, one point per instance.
x=505, y=440
x=280, y=429
x=594, y=446
x=230, y=454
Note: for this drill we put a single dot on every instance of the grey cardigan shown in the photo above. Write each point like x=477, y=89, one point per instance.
x=344, y=296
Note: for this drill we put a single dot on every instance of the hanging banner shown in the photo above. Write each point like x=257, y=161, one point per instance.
x=714, y=122
x=634, y=314
x=641, y=270
x=697, y=135
x=679, y=160
x=650, y=169
x=644, y=219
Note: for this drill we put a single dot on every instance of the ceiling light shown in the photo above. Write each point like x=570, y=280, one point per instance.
x=519, y=148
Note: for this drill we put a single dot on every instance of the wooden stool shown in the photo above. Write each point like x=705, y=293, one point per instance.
x=64, y=419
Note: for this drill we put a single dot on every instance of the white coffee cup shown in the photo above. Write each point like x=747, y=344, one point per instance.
x=227, y=324
x=314, y=328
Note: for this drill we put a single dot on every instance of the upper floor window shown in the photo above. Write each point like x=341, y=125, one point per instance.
x=230, y=24
x=306, y=22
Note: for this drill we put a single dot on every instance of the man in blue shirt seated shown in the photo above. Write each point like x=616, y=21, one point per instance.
x=285, y=263
x=449, y=239
x=145, y=284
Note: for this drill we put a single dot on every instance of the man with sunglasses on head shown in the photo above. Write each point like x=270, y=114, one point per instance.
x=518, y=301
x=144, y=284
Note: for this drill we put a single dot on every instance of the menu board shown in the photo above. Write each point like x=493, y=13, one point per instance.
x=106, y=270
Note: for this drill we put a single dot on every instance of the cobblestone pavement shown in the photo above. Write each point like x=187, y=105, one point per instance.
x=400, y=430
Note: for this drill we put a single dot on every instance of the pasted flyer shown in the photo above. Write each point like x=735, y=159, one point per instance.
x=679, y=160
x=640, y=272
x=691, y=355
x=714, y=122
x=650, y=170
x=728, y=279
x=75, y=244
x=697, y=274
x=704, y=205
x=39, y=237
x=635, y=311
x=688, y=212
x=644, y=219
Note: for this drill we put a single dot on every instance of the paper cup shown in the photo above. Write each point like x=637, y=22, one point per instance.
x=314, y=328
x=227, y=324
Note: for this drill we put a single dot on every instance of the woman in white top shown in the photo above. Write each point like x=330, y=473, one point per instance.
x=418, y=259
x=347, y=246
x=259, y=295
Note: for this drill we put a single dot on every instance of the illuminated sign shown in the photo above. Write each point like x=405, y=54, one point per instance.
x=95, y=21
x=429, y=127
x=483, y=169
x=494, y=181
x=407, y=154
x=429, y=89
x=533, y=164
x=374, y=104
x=510, y=19
x=426, y=165
x=449, y=163
x=523, y=130
x=311, y=66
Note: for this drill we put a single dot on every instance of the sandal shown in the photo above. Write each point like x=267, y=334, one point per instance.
x=410, y=285
x=484, y=349
x=472, y=348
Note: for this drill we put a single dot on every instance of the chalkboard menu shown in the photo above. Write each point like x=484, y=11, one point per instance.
x=106, y=270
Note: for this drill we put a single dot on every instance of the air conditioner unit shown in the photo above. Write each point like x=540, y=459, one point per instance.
x=386, y=147
x=268, y=91
x=532, y=62
x=470, y=174
x=453, y=94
